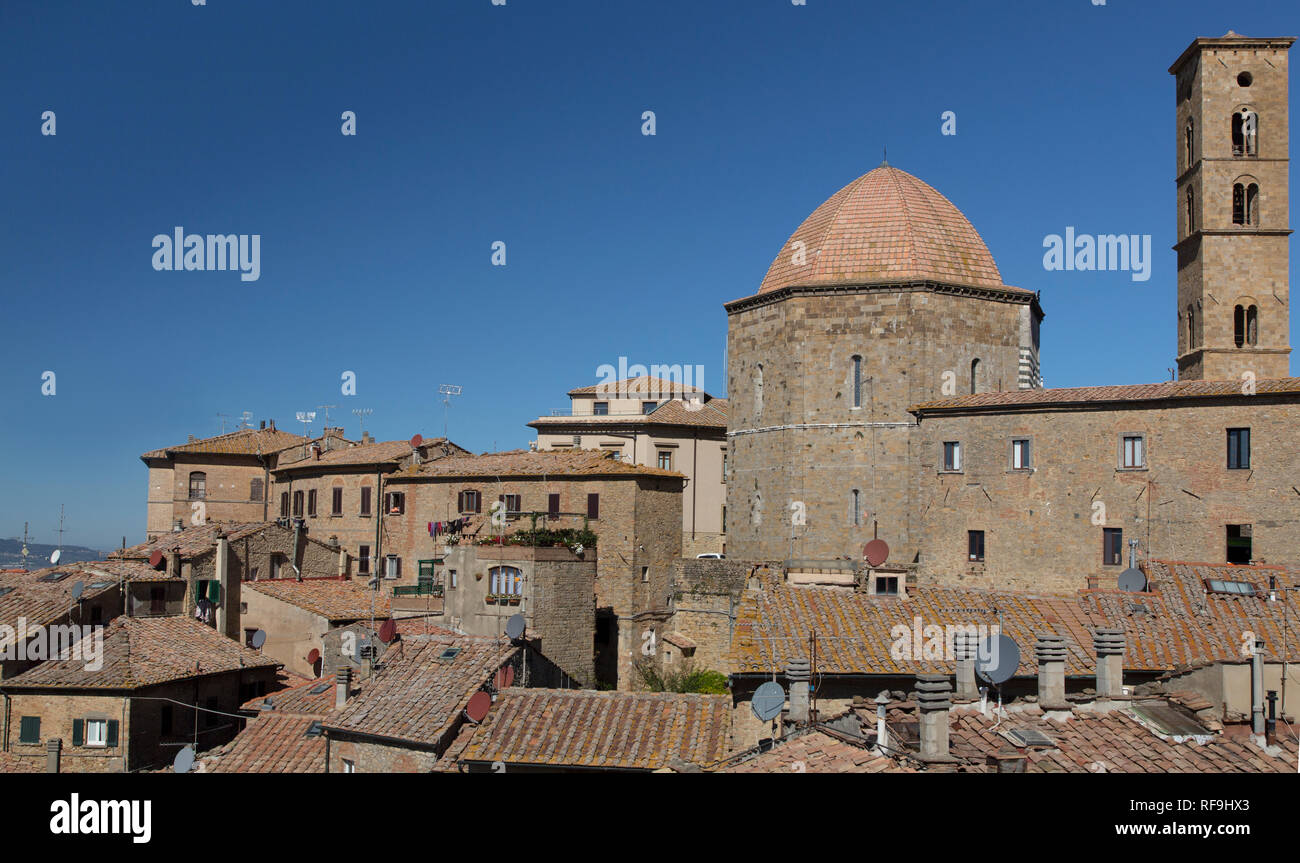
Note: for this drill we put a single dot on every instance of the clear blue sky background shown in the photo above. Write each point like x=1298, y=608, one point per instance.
x=521, y=123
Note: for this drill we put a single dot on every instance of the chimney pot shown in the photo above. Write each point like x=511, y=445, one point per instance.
x=342, y=688
x=1050, y=649
x=965, y=647
x=934, y=701
x=53, y=751
x=191, y=439
x=263, y=425
x=1109, y=647
x=798, y=673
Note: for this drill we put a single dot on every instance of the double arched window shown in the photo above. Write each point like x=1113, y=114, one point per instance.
x=1245, y=325
x=1245, y=133
x=1245, y=203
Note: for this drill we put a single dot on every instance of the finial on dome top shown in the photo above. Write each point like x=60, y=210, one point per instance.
x=884, y=159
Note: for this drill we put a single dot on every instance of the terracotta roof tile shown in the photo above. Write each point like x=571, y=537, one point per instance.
x=26, y=595
x=381, y=452
x=332, y=598
x=1169, y=390
x=242, y=442
x=814, y=750
x=638, y=386
x=192, y=541
x=272, y=743
x=520, y=463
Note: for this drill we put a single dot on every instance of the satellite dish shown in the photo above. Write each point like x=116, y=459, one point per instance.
x=78, y=589
x=258, y=639
x=997, y=659
x=479, y=705
x=515, y=626
x=1132, y=580
x=184, y=760
x=767, y=701
x=388, y=631
x=876, y=552
x=55, y=555
x=156, y=559
x=417, y=441
x=504, y=677
x=313, y=657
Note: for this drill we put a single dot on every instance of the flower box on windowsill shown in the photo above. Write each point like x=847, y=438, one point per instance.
x=491, y=599
x=514, y=600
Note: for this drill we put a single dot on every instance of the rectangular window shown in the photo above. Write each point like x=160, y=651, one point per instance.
x=1238, y=449
x=552, y=504
x=453, y=580
x=469, y=501
x=857, y=382
x=975, y=545
x=1239, y=543
x=395, y=503
x=284, y=504
x=648, y=407
x=349, y=766
x=255, y=487
x=1133, y=451
x=855, y=508
x=392, y=567
x=593, y=506
x=311, y=503
x=665, y=459
x=1020, y=454
x=600, y=409
x=336, y=501
x=645, y=575
x=277, y=565
x=724, y=518
x=952, y=455
x=29, y=729
x=886, y=585
x=512, y=503
x=1112, y=546
x=297, y=504
x=724, y=467
x=363, y=561
x=365, y=500
x=96, y=732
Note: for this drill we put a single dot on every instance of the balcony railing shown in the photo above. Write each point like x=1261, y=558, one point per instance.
x=418, y=590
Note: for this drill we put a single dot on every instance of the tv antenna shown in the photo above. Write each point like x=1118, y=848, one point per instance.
x=223, y=418
x=447, y=391
x=59, y=551
x=326, y=408
x=25, y=552
x=361, y=414
x=306, y=417
x=246, y=420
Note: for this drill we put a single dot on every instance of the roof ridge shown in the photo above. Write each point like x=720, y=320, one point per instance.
x=910, y=236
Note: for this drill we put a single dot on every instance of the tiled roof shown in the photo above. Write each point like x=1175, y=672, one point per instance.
x=1108, y=742
x=380, y=452
x=586, y=728
x=1177, y=622
x=814, y=750
x=300, y=700
x=711, y=414
x=332, y=598
x=632, y=387
x=417, y=696
x=522, y=463
x=23, y=594
x=242, y=442
x=885, y=226
x=272, y=743
x=1169, y=390
x=192, y=541
x=140, y=652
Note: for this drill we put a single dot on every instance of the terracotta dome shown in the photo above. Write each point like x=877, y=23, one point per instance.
x=885, y=226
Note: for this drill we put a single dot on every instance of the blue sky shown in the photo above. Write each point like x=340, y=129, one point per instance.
x=479, y=123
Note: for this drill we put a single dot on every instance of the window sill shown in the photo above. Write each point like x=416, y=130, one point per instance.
x=1131, y=469
x=1025, y=470
x=951, y=472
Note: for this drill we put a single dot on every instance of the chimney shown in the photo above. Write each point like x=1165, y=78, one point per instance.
x=964, y=647
x=178, y=526
x=1257, y=690
x=933, y=701
x=272, y=422
x=1109, y=646
x=191, y=439
x=342, y=688
x=263, y=425
x=1050, y=650
x=1270, y=724
x=1008, y=760
x=174, y=564
x=315, y=451
x=53, y=749
x=798, y=673
x=365, y=437
x=882, y=731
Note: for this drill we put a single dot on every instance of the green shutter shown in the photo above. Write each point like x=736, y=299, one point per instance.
x=198, y=590
x=214, y=592
x=29, y=730
x=112, y=733
x=78, y=732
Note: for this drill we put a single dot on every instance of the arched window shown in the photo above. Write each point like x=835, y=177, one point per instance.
x=1191, y=326
x=1191, y=210
x=506, y=580
x=758, y=390
x=1252, y=325
x=1238, y=326
x=857, y=381
x=198, y=485
x=974, y=375
x=1252, y=204
x=1238, y=204
x=1187, y=146
x=1245, y=127
x=855, y=509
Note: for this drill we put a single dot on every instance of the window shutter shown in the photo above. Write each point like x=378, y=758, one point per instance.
x=553, y=504
x=399, y=567
x=214, y=592
x=478, y=502
x=460, y=502
x=593, y=506
x=111, y=739
x=78, y=732
x=29, y=730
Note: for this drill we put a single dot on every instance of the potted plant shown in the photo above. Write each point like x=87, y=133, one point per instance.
x=491, y=599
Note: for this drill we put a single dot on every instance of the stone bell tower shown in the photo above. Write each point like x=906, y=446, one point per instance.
x=1233, y=234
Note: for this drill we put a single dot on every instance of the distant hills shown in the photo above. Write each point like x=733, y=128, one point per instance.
x=38, y=554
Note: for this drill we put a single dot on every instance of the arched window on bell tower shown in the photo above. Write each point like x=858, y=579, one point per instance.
x=1187, y=145
x=1252, y=325
x=1245, y=133
x=974, y=375
x=1191, y=211
x=1191, y=326
x=1252, y=204
x=1239, y=326
x=758, y=391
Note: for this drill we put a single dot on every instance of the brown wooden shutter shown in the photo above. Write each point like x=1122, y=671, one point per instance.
x=593, y=505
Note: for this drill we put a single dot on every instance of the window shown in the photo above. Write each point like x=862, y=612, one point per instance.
x=648, y=407
x=952, y=455
x=395, y=502
x=1191, y=210
x=1133, y=451
x=1112, y=546
x=1239, y=543
x=593, y=506
x=248, y=637
x=724, y=466
x=311, y=503
x=1187, y=145
x=453, y=580
x=29, y=729
x=552, y=505
x=198, y=485
x=758, y=390
x=96, y=732
x=1020, y=454
x=724, y=518
x=886, y=585
x=1238, y=449
x=349, y=766
x=1252, y=325
x=975, y=545
x=165, y=720
x=297, y=504
x=392, y=567
x=600, y=409
x=1252, y=204
x=157, y=600
x=855, y=508
x=469, y=501
x=512, y=504
x=1244, y=126
x=255, y=487
x=974, y=376
x=365, y=500
x=1191, y=326
x=277, y=564
x=857, y=381
x=1245, y=327
x=336, y=501
x=665, y=459
x=363, y=561
x=645, y=575
x=1237, y=588
x=506, y=580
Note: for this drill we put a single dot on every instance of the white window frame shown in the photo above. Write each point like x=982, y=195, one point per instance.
x=390, y=567
x=1022, y=457
x=957, y=461
x=99, y=740
x=1124, y=450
